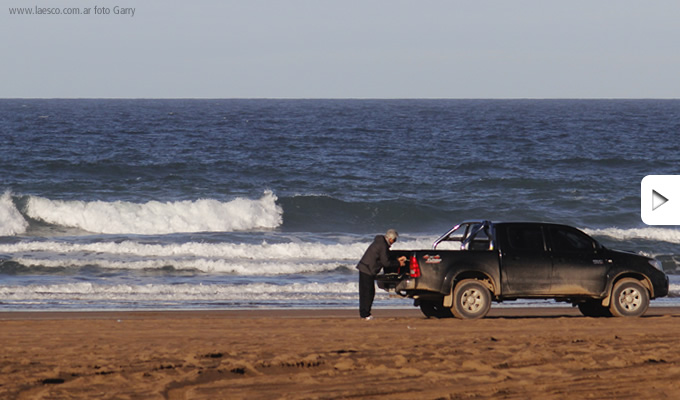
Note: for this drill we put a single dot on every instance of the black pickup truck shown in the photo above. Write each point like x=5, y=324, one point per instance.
x=477, y=262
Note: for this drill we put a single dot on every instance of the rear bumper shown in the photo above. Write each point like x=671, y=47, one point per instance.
x=389, y=281
x=399, y=283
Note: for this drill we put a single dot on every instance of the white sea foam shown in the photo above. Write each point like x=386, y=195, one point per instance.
x=221, y=266
x=87, y=291
x=263, y=251
x=669, y=235
x=154, y=217
x=674, y=289
x=230, y=258
x=11, y=221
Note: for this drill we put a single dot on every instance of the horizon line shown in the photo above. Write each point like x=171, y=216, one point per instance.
x=339, y=98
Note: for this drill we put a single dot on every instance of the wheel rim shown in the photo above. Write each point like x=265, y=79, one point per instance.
x=472, y=300
x=630, y=299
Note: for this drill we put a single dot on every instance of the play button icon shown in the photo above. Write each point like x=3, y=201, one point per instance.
x=660, y=200
x=657, y=200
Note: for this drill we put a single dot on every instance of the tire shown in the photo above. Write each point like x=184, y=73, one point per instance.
x=471, y=300
x=629, y=299
x=433, y=309
x=594, y=308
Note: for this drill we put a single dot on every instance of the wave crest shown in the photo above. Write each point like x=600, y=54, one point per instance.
x=154, y=217
x=11, y=221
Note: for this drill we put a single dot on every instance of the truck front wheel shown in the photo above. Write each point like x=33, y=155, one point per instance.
x=471, y=299
x=629, y=299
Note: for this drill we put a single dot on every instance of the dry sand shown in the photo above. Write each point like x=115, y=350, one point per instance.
x=545, y=353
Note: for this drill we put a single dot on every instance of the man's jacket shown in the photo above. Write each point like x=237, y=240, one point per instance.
x=376, y=257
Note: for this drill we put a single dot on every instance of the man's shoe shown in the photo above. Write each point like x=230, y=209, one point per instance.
x=370, y=317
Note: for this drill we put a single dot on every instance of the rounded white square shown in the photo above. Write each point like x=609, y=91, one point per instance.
x=660, y=200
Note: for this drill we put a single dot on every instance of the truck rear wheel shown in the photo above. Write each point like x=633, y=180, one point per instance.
x=471, y=299
x=629, y=299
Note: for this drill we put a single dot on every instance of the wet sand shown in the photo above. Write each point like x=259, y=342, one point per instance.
x=514, y=353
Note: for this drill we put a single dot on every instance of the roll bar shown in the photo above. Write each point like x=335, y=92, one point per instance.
x=468, y=236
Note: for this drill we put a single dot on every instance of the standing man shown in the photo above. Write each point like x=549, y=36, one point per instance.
x=376, y=257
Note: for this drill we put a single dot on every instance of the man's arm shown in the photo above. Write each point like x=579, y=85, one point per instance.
x=384, y=254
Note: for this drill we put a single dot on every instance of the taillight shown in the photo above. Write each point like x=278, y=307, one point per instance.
x=415, y=267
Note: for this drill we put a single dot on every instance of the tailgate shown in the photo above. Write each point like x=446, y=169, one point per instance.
x=391, y=277
x=390, y=280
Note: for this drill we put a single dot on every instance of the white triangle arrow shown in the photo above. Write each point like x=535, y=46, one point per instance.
x=657, y=200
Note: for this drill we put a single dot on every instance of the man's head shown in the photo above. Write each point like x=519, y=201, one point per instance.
x=391, y=236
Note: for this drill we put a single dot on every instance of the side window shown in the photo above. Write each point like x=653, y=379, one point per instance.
x=526, y=238
x=568, y=240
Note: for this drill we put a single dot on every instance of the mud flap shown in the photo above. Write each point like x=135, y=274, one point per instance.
x=448, y=299
x=607, y=300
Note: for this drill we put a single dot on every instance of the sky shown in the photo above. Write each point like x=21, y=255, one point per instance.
x=342, y=49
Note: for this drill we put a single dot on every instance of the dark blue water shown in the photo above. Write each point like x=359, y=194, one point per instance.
x=269, y=203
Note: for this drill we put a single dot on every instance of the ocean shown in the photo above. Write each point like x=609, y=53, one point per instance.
x=241, y=204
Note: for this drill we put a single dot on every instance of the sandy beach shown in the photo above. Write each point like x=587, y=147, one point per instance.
x=514, y=353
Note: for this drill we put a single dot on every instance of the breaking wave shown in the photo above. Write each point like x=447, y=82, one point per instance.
x=11, y=221
x=151, y=218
